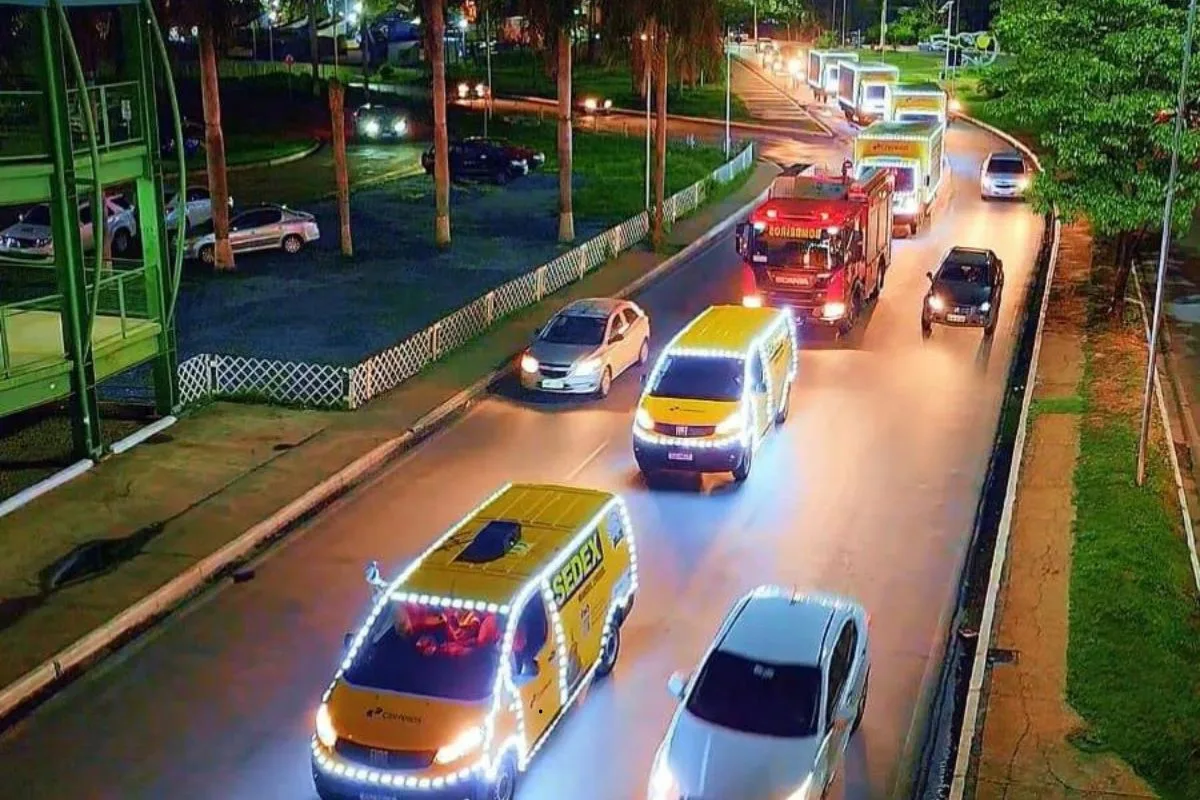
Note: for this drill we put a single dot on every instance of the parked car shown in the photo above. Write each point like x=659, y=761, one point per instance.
x=586, y=346
x=260, y=227
x=373, y=121
x=491, y=159
x=31, y=235
x=593, y=104
x=471, y=90
x=965, y=292
x=1004, y=175
x=198, y=208
x=771, y=709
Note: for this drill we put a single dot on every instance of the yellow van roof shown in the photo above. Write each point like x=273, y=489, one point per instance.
x=549, y=517
x=731, y=328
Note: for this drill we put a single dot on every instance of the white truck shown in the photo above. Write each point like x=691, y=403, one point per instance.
x=863, y=90
x=822, y=75
x=917, y=102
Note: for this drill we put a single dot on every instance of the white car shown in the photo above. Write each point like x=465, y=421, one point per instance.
x=772, y=707
x=261, y=227
x=31, y=235
x=198, y=207
x=586, y=346
x=1004, y=176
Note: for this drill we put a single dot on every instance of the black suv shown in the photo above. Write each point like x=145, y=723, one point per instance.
x=965, y=291
x=487, y=159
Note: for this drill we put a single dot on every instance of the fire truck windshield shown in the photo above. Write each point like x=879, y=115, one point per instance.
x=905, y=179
x=798, y=252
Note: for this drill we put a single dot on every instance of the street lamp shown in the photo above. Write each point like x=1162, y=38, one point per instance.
x=947, y=9
x=487, y=45
x=1164, y=243
x=646, y=82
x=728, y=82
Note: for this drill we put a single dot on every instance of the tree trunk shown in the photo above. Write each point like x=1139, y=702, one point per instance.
x=214, y=144
x=337, y=113
x=1126, y=248
x=591, y=31
x=566, y=214
x=314, y=45
x=435, y=13
x=658, y=229
x=638, y=65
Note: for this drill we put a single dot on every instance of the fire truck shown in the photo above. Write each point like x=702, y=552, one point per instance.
x=820, y=244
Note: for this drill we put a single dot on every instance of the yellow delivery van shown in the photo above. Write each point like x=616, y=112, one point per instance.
x=917, y=102
x=716, y=391
x=470, y=657
x=915, y=153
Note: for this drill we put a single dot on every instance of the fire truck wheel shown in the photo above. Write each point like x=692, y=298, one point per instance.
x=882, y=273
x=742, y=470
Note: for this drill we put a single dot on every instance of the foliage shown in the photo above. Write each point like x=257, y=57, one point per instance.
x=1090, y=80
x=914, y=24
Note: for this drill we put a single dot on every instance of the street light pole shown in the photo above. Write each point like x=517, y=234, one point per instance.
x=487, y=44
x=844, y=16
x=728, y=81
x=1164, y=243
x=646, y=82
x=883, y=26
x=949, y=9
x=756, y=26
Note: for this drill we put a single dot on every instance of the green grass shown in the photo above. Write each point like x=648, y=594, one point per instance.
x=242, y=149
x=522, y=73
x=610, y=168
x=1133, y=667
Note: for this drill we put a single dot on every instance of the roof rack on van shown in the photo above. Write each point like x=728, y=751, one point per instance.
x=494, y=541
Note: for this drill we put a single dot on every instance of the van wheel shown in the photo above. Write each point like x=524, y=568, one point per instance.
x=742, y=470
x=785, y=405
x=504, y=785
x=605, y=383
x=609, y=651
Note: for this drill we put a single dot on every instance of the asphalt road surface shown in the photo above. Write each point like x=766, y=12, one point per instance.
x=869, y=489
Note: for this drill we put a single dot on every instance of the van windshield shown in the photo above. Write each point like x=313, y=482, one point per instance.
x=700, y=378
x=429, y=651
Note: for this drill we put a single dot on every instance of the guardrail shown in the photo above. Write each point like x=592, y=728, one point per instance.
x=116, y=110
x=208, y=376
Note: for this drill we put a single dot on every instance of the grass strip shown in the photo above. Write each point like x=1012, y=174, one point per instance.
x=1134, y=650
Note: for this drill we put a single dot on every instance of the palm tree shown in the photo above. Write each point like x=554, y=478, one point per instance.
x=215, y=21
x=553, y=20
x=435, y=47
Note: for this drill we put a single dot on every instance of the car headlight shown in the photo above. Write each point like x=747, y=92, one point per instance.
x=463, y=90
x=608, y=103
x=372, y=127
x=663, y=785
x=589, y=367
x=936, y=303
x=529, y=363
x=804, y=792
x=644, y=420
x=518, y=162
x=752, y=301
x=399, y=126
x=590, y=104
x=467, y=742
x=985, y=306
x=833, y=310
x=43, y=241
x=326, y=733
x=480, y=89
x=731, y=424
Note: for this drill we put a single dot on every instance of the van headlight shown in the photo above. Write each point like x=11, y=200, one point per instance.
x=529, y=364
x=644, y=420
x=399, y=126
x=326, y=733
x=589, y=367
x=732, y=424
x=372, y=128
x=936, y=303
x=467, y=742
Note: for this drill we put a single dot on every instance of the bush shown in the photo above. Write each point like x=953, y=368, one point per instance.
x=387, y=72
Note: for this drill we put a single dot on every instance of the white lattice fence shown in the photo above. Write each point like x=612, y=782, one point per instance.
x=331, y=386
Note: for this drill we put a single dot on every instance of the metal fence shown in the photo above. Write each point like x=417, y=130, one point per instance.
x=297, y=383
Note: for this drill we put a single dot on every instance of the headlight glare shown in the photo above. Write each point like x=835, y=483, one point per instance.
x=467, y=742
x=752, y=301
x=644, y=420
x=985, y=306
x=804, y=792
x=588, y=367
x=372, y=127
x=326, y=733
x=936, y=303
x=663, y=785
x=833, y=310
x=529, y=363
x=731, y=424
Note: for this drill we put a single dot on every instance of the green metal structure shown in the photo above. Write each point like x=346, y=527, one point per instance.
x=76, y=317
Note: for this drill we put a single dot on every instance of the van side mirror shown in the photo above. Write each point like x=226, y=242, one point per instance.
x=741, y=232
x=348, y=640
x=930, y=276
x=374, y=579
x=677, y=685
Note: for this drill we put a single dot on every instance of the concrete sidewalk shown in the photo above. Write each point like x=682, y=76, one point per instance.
x=184, y=494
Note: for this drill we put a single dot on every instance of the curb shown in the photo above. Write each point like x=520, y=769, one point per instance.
x=76, y=656
x=970, y=719
x=270, y=162
x=733, y=124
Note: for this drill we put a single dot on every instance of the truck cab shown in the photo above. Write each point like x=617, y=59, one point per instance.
x=863, y=90
x=820, y=245
x=914, y=153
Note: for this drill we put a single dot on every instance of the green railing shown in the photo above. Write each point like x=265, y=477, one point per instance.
x=117, y=111
x=123, y=297
x=27, y=341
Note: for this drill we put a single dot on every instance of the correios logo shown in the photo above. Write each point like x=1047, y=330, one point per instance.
x=378, y=712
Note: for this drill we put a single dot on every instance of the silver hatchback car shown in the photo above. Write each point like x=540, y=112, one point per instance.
x=1004, y=176
x=584, y=347
x=262, y=227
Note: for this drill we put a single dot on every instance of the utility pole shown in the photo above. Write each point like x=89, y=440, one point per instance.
x=728, y=81
x=755, y=43
x=647, y=59
x=948, y=9
x=844, y=17
x=1164, y=244
x=883, y=26
x=487, y=45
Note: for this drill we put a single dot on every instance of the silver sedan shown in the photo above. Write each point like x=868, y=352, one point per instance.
x=264, y=227
x=584, y=347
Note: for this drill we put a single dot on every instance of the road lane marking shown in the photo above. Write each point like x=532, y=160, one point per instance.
x=591, y=457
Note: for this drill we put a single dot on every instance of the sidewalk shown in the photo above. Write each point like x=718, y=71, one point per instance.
x=169, y=503
x=1095, y=611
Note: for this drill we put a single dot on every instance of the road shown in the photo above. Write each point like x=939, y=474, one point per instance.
x=870, y=489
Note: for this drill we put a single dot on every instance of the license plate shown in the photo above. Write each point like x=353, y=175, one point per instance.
x=792, y=280
x=679, y=456
x=760, y=258
x=553, y=383
x=956, y=317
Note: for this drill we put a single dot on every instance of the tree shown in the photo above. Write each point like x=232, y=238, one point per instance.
x=434, y=17
x=553, y=21
x=314, y=45
x=215, y=20
x=1090, y=80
